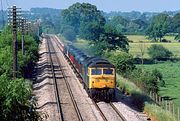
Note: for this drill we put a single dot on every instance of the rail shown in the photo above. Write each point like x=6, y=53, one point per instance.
x=55, y=83
x=69, y=90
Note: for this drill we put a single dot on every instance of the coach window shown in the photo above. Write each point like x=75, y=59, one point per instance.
x=96, y=72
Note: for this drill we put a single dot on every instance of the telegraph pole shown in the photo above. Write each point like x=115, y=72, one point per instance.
x=14, y=29
x=13, y=22
x=22, y=29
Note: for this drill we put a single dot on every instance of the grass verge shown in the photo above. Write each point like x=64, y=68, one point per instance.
x=155, y=112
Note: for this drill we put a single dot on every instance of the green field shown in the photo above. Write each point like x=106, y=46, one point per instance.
x=171, y=76
x=134, y=47
x=142, y=38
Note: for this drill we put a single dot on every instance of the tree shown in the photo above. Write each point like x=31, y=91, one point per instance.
x=176, y=25
x=159, y=26
x=119, y=23
x=99, y=48
x=115, y=39
x=110, y=40
x=85, y=18
x=122, y=61
x=142, y=51
x=159, y=52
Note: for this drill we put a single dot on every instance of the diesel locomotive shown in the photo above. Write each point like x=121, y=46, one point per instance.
x=98, y=74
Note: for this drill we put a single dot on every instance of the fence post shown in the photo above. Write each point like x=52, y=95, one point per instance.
x=178, y=114
x=162, y=103
x=160, y=100
x=166, y=105
x=169, y=106
x=156, y=98
x=173, y=109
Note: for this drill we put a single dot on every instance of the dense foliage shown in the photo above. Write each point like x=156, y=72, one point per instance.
x=86, y=20
x=146, y=80
x=126, y=26
x=159, y=26
x=88, y=23
x=159, y=52
x=122, y=61
x=15, y=101
x=176, y=25
x=15, y=94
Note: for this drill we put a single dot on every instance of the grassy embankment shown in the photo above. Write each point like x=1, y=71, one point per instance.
x=169, y=71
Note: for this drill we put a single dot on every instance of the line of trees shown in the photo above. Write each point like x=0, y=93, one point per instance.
x=15, y=94
x=163, y=24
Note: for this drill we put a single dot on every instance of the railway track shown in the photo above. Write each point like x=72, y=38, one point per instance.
x=55, y=84
x=122, y=118
x=60, y=110
x=117, y=111
x=95, y=104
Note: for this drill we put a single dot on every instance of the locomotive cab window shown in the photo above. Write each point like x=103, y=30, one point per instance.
x=96, y=72
x=108, y=71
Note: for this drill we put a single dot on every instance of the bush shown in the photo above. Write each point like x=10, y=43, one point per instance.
x=159, y=52
x=146, y=80
x=122, y=61
x=14, y=100
x=164, y=40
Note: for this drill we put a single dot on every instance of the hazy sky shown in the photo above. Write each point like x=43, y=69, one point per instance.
x=105, y=5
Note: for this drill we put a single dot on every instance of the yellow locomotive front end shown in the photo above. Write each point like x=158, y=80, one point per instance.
x=102, y=78
x=99, y=78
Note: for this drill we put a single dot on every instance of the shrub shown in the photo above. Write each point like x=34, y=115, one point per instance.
x=146, y=80
x=122, y=61
x=164, y=40
x=14, y=100
x=159, y=52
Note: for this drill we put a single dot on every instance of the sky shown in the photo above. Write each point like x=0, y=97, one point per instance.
x=105, y=5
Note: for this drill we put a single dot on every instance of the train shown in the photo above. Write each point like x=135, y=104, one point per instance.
x=98, y=74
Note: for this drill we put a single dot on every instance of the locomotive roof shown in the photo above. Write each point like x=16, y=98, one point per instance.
x=98, y=62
